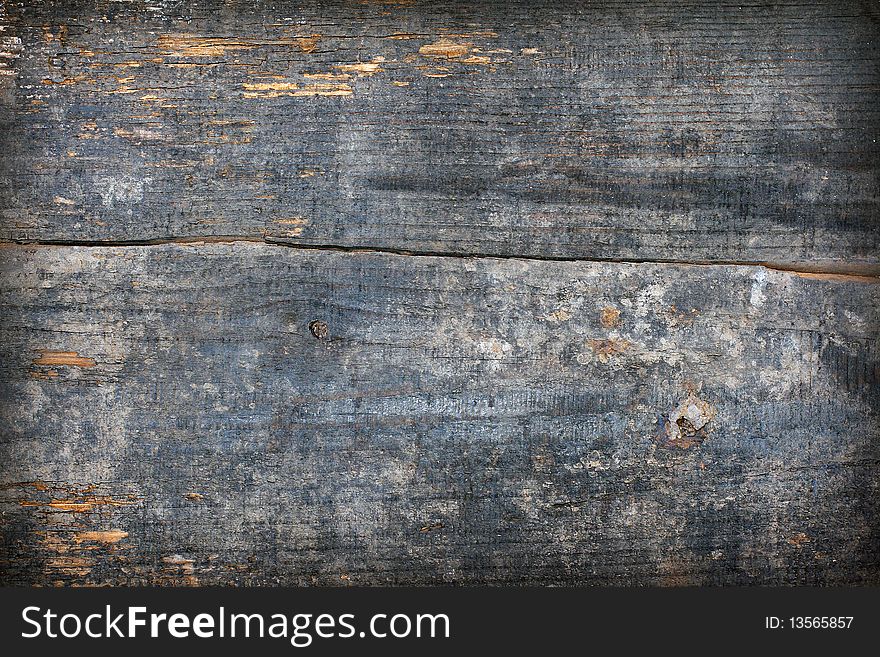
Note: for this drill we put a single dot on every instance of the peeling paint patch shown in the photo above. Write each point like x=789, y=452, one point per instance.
x=458, y=45
x=278, y=89
x=83, y=505
x=327, y=76
x=178, y=560
x=63, y=359
x=838, y=278
x=295, y=225
x=191, y=45
x=66, y=81
x=445, y=49
x=183, y=566
x=36, y=485
x=609, y=317
x=109, y=536
x=158, y=100
x=605, y=350
x=686, y=425
x=128, y=64
x=68, y=565
x=45, y=375
x=436, y=72
x=363, y=70
x=59, y=35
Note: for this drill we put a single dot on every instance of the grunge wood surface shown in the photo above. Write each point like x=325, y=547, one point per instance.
x=172, y=413
x=657, y=130
x=439, y=293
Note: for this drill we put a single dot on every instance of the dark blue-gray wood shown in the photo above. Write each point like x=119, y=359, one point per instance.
x=257, y=414
x=654, y=130
x=332, y=292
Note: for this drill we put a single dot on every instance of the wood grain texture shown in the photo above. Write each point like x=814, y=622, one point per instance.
x=225, y=369
x=256, y=414
x=659, y=130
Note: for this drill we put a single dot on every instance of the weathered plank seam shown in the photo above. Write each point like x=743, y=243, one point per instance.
x=866, y=274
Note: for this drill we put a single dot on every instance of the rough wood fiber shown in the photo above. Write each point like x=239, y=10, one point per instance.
x=248, y=413
x=654, y=130
x=231, y=412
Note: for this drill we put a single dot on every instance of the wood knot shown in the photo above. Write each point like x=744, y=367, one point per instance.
x=319, y=329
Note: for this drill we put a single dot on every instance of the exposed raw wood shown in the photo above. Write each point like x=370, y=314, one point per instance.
x=659, y=130
x=258, y=414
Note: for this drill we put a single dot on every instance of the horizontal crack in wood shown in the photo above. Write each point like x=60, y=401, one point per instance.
x=837, y=271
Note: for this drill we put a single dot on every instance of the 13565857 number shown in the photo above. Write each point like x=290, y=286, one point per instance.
x=820, y=622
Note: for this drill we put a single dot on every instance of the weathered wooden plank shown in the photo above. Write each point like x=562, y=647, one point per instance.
x=658, y=130
x=174, y=414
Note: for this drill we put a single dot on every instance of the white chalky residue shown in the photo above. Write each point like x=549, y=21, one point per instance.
x=759, y=280
x=494, y=348
x=493, y=351
x=127, y=190
x=10, y=50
